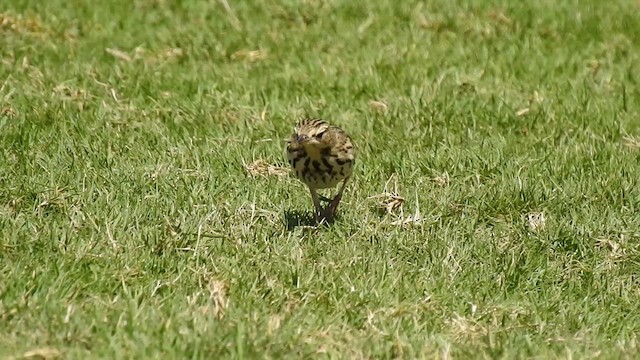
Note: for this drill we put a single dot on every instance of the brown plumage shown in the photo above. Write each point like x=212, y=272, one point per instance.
x=321, y=155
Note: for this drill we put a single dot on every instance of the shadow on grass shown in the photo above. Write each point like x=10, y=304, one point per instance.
x=381, y=212
x=296, y=218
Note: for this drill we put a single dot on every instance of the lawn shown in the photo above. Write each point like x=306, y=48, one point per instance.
x=146, y=208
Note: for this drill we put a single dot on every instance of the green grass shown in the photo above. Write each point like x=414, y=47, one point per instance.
x=130, y=228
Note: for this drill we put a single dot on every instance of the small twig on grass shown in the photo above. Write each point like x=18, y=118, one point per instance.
x=233, y=19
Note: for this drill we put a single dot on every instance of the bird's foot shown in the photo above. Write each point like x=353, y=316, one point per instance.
x=328, y=213
x=321, y=218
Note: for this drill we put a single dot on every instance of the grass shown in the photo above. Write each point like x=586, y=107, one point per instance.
x=130, y=226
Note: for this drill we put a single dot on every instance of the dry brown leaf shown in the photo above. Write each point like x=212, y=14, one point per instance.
x=67, y=92
x=388, y=201
x=632, y=142
x=378, y=106
x=9, y=112
x=536, y=98
x=609, y=244
x=218, y=296
x=274, y=323
x=162, y=55
x=499, y=17
x=249, y=55
x=464, y=327
x=594, y=65
x=413, y=220
x=171, y=53
x=442, y=180
x=262, y=168
x=17, y=23
x=45, y=353
x=429, y=24
x=118, y=54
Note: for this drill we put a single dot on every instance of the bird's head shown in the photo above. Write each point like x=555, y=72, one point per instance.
x=312, y=135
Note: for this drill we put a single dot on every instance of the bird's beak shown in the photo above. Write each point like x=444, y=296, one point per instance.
x=302, y=139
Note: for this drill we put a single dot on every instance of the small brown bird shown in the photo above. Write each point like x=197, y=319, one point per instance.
x=321, y=155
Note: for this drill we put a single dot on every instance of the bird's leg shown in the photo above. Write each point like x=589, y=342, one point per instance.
x=316, y=204
x=324, y=198
x=331, y=208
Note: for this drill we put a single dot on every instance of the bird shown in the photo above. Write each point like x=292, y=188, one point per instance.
x=322, y=156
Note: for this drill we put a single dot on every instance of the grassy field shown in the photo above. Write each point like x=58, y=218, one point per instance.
x=145, y=210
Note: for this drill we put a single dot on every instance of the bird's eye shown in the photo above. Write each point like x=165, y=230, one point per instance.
x=319, y=135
